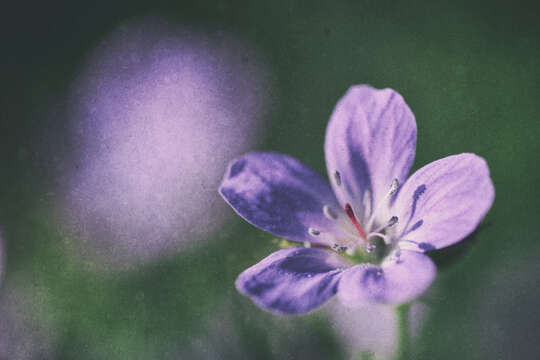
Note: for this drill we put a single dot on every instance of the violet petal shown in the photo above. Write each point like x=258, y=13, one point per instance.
x=370, y=140
x=443, y=202
x=292, y=281
x=396, y=281
x=278, y=194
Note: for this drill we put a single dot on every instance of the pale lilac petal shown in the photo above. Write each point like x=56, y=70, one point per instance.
x=280, y=195
x=397, y=280
x=370, y=140
x=443, y=202
x=372, y=327
x=292, y=281
x=366, y=328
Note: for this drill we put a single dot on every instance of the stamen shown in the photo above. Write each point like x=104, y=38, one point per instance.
x=382, y=236
x=393, y=189
x=370, y=248
x=314, y=232
x=329, y=212
x=350, y=214
x=406, y=244
x=337, y=178
x=393, y=220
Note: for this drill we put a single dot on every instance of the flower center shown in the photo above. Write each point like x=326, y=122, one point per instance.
x=369, y=230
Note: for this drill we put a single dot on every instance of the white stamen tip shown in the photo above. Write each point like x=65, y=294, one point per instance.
x=314, y=232
x=394, y=186
x=329, y=212
x=366, y=201
x=337, y=178
x=370, y=248
x=396, y=256
x=408, y=245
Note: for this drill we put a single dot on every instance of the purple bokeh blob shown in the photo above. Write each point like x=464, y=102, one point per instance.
x=155, y=115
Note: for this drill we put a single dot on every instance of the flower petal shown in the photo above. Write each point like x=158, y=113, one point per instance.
x=398, y=280
x=292, y=281
x=443, y=202
x=370, y=140
x=280, y=195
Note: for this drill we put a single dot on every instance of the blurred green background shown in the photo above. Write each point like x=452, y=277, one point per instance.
x=468, y=70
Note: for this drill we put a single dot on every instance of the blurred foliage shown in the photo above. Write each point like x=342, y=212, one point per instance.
x=469, y=71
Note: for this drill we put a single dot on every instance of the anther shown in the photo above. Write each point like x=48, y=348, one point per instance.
x=314, y=232
x=370, y=248
x=329, y=212
x=393, y=221
x=337, y=178
x=339, y=248
x=394, y=187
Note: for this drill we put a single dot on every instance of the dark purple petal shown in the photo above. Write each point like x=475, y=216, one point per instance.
x=443, y=202
x=398, y=280
x=370, y=140
x=280, y=195
x=292, y=281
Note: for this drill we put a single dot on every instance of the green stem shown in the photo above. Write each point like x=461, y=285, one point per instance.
x=403, y=339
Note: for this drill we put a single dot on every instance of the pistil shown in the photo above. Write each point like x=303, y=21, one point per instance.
x=350, y=213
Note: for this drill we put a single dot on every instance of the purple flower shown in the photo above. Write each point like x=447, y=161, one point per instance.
x=369, y=230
